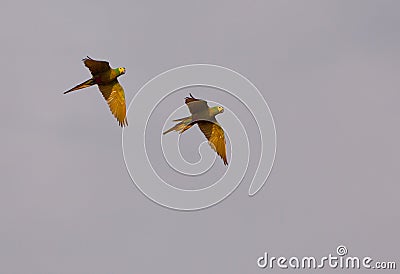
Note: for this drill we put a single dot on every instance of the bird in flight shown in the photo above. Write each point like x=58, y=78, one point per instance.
x=105, y=78
x=204, y=117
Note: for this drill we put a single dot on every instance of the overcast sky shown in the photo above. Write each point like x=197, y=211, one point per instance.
x=329, y=71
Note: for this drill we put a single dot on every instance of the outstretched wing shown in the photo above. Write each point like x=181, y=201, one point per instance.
x=115, y=97
x=215, y=136
x=195, y=105
x=95, y=66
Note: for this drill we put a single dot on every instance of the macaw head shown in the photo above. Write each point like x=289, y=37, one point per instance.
x=216, y=110
x=121, y=70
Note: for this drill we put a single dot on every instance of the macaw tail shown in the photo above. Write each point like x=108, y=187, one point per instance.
x=182, y=126
x=85, y=84
x=181, y=119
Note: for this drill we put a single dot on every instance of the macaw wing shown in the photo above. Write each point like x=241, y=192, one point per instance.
x=195, y=105
x=115, y=97
x=215, y=136
x=95, y=66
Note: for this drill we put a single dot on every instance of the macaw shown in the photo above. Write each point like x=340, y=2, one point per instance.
x=105, y=78
x=204, y=117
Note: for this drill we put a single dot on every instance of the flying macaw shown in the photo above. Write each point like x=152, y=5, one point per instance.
x=204, y=117
x=106, y=79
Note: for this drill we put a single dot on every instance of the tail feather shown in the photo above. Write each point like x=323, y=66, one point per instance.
x=180, y=127
x=177, y=127
x=85, y=84
x=180, y=119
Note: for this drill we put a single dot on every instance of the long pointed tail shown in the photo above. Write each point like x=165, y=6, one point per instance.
x=181, y=119
x=85, y=84
x=182, y=126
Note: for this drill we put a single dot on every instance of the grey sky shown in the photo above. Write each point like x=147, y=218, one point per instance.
x=328, y=70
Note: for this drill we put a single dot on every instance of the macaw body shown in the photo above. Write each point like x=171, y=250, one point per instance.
x=106, y=79
x=204, y=117
x=187, y=122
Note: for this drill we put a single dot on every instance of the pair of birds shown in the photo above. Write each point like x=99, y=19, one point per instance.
x=106, y=78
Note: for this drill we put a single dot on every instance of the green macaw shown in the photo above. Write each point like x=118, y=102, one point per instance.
x=204, y=117
x=106, y=79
